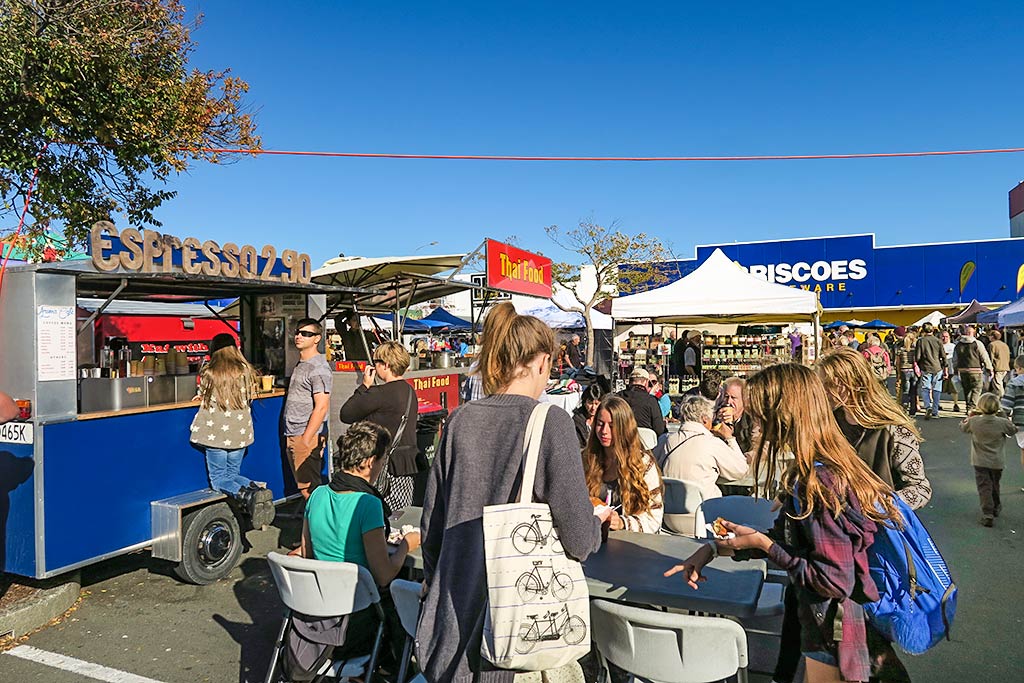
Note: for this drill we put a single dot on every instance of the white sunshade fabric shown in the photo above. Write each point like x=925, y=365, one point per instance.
x=719, y=291
x=935, y=317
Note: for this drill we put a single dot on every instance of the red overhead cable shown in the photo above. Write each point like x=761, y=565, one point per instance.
x=503, y=157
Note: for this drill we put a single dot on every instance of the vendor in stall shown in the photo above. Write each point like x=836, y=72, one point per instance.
x=357, y=343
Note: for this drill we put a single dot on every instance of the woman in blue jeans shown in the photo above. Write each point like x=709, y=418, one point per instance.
x=223, y=428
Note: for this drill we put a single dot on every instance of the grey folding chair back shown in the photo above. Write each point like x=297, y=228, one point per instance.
x=682, y=507
x=745, y=510
x=406, y=595
x=664, y=647
x=323, y=589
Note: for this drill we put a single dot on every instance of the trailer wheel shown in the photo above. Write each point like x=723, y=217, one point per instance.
x=211, y=544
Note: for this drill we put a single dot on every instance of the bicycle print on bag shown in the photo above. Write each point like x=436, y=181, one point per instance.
x=531, y=585
x=553, y=626
x=528, y=536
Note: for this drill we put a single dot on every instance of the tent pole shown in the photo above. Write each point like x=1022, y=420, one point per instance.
x=817, y=335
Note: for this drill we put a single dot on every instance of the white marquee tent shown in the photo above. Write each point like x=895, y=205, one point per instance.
x=719, y=291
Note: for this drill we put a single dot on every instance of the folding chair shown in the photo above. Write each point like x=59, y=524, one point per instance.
x=406, y=595
x=682, y=508
x=664, y=647
x=325, y=589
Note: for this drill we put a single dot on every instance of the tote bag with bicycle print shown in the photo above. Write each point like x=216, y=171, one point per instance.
x=538, y=615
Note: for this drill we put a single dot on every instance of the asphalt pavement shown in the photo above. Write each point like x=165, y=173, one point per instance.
x=138, y=624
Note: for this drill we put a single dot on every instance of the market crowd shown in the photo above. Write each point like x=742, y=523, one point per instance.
x=828, y=445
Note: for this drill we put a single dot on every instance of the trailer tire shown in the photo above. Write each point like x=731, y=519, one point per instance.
x=211, y=544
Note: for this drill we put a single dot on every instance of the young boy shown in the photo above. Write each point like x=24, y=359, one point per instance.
x=988, y=429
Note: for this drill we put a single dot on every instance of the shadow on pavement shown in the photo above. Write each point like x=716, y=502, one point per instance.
x=257, y=595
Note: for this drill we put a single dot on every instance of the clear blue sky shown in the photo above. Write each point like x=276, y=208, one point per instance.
x=621, y=79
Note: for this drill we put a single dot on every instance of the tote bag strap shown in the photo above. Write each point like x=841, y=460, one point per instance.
x=531, y=444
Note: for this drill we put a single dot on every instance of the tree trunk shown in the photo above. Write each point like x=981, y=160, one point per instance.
x=590, y=337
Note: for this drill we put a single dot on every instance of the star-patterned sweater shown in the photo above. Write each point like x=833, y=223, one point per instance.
x=216, y=427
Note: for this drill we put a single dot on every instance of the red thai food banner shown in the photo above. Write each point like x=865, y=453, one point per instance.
x=435, y=392
x=515, y=270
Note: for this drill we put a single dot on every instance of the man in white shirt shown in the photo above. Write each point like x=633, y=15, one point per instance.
x=696, y=455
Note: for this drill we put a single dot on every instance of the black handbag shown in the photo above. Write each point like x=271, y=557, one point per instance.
x=383, y=483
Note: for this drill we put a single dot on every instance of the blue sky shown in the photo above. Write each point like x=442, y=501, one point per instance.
x=619, y=79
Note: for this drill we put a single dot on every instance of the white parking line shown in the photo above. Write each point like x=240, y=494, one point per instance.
x=77, y=666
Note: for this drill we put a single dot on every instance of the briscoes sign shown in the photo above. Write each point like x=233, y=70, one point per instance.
x=838, y=269
x=515, y=270
x=819, y=271
x=148, y=251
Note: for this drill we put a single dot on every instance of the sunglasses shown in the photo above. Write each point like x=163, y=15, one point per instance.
x=306, y=333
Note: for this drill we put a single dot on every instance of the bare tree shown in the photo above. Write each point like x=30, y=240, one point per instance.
x=619, y=261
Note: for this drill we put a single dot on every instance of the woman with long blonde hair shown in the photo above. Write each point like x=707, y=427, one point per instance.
x=223, y=428
x=620, y=471
x=884, y=436
x=479, y=462
x=831, y=505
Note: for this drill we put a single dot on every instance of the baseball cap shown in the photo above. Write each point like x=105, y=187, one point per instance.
x=640, y=373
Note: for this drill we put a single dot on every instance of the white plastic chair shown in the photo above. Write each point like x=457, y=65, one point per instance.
x=325, y=589
x=663, y=647
x=406, y=595
x=648, y=437
x=682, y=502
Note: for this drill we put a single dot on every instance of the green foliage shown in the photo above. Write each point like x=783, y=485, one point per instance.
x=99, y=96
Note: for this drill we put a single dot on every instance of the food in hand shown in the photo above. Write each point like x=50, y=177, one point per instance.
x=719, y=527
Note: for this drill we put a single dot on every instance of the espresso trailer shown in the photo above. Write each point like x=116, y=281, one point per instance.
x=103, y=465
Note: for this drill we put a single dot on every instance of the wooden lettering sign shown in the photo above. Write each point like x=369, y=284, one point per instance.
x=149, y=251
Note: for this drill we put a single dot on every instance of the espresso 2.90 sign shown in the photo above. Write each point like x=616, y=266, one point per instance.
x=148, y=251
x=515, y=270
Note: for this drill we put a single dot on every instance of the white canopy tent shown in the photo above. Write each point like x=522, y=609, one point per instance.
x=719, y=291
x=935, y=317
x=557, y=318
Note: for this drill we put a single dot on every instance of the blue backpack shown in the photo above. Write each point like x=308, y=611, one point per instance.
x=917, y=596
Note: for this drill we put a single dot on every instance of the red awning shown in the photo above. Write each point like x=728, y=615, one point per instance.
x=155, y=328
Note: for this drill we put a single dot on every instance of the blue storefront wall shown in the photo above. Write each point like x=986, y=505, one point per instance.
x=851, y=272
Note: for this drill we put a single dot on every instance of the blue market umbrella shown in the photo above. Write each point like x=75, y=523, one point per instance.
x=877, y=324
x=835, y=325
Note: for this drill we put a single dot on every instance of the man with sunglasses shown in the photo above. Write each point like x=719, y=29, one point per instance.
x=306, y=407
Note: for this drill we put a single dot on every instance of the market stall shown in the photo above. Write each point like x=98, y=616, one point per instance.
x=721, y=292
x=139, y=483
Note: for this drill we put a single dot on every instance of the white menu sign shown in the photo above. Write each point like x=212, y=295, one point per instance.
x=56, y=347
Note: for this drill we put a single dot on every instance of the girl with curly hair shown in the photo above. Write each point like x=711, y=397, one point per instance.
x=620, y=470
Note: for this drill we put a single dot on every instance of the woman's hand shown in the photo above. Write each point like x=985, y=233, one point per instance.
x=603, y=513
x=368, y=373
x=746, y=538
x=616, y=523
x=692, y=566
x=411, y=541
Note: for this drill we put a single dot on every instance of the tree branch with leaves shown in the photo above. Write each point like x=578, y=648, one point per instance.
x=103, y=89
x=605, y=249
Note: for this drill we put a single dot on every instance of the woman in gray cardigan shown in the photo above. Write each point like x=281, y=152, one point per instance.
x=479, y=463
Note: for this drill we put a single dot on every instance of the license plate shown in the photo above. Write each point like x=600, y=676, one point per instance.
x=16, y=432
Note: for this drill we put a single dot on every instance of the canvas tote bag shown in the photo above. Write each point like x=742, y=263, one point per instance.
x=538, y=614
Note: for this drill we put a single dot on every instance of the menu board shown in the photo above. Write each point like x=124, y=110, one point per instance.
x=56, y=353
